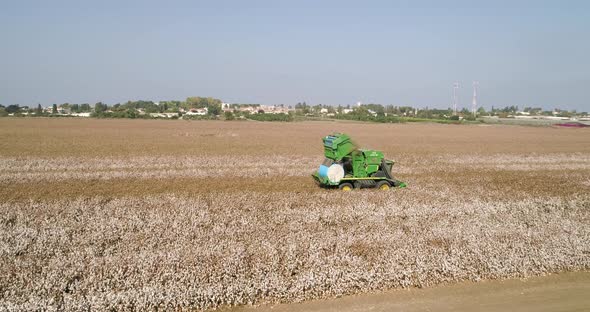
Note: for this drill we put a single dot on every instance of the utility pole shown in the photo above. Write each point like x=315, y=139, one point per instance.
x=455, y=97
x=474, y=101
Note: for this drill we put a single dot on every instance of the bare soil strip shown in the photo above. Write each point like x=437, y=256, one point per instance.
x=553, y=293
x=53, y=137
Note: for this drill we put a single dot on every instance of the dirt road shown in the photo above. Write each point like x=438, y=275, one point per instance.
x=558, y=292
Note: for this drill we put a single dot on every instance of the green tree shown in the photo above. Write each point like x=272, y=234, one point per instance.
x=270, y=117
x=229, y=116
x=39, y=109
x=425, y=113
x=100, y=107
x=130, y=113
x=377, y=108
x=163, y=107
x=54, y=109
x=11, y=109
x=214, y=109
x=213, y=105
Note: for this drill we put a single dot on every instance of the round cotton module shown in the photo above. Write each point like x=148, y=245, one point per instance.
x=335, y=173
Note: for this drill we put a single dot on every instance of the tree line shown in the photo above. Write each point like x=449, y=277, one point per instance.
x=365, y=112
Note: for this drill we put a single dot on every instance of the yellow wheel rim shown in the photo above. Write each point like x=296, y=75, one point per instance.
x=346, y=188
x=384, y=187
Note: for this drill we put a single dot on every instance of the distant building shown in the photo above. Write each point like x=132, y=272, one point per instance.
x=274, y=109
x=197, y=112
x=163, y=115
x=87, y=114
x=248, y=109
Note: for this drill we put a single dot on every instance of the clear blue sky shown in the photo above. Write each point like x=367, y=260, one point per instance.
x=526, y=53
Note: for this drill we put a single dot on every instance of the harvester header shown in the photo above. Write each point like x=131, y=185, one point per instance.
x=346, y=166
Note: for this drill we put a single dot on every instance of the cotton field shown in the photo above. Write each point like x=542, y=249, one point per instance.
x=139, y=215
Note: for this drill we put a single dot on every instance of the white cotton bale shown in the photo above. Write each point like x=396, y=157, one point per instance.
x=335, y=173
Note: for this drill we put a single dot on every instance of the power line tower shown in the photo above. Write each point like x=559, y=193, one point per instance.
x=474, y=101
x=455, y=97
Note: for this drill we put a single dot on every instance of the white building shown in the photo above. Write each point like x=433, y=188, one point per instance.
x=163, y=115
x=274, y=109
x=197, y=111
x=87, y=114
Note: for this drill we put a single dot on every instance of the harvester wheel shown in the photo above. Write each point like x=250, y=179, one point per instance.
x=345, y=187
x=383, y=185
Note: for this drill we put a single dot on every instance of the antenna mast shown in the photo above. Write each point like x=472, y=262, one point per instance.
x=455, y=97
x=474, y=102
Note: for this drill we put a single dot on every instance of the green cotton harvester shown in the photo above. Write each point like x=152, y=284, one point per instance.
x=348, y=167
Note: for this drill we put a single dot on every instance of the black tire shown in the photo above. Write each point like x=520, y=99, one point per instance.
x=357, y=185
x=383, y=185
x=345, y=187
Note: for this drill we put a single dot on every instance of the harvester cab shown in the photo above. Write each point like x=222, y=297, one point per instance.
x=347, y=167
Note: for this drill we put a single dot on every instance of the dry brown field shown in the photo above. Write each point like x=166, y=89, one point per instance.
x=145, y=214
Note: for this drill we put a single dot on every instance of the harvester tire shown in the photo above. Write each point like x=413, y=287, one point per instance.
x=345, y=187
x=383, y=185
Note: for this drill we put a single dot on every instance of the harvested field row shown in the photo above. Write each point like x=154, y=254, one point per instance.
x=117, y=188
x=35, y=169
x=427, y=186
x=236, y=248
x=28, y=169
x=46, y=137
